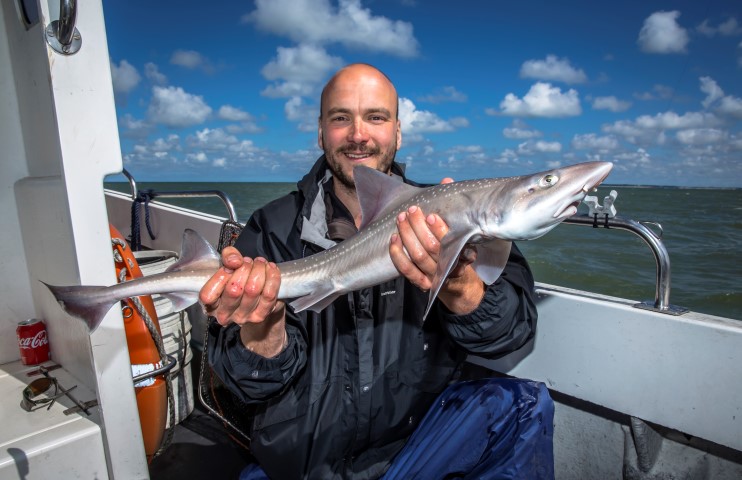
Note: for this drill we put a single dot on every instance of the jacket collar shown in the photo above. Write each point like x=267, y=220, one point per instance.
x=313, y=221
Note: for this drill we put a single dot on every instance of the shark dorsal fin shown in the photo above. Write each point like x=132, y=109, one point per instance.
x=196, y=253
x=377, y=191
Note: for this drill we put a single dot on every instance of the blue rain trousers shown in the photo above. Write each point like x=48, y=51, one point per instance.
x=484, y=429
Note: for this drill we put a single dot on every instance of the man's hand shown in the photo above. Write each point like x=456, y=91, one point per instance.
x=415, y=252
x=245, y=291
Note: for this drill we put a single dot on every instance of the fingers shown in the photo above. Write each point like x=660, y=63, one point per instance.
x=243, y=291
x=212, y=290
x=414, y=250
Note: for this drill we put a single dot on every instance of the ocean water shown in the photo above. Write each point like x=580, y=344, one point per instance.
x=701, y=228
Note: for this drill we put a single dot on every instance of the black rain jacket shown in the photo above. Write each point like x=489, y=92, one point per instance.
x=356, y=379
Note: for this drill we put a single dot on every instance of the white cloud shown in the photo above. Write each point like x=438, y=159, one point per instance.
x=638, y=158
x=543, y=100
x=305, y=115
x=172, y=142
x=662, y=34
x=173, y=107
x=726, y=106
x=446, y=94
x=416, y=121
x=211, y=139
x=730, y=106
x=298, y=70
x=133, y=127
x=190, y=59
x=532, y=147
x=552, y=69
x=659, y=92
x=671, y=120
x=701, y=136
x=591, y=141
x=152, y=72
x=728, y=28
x=520, y=131
x=646, y=129
x=233, y=114
x=611, y=103
x=320, y=22
x=198, y=157
x=712, y=90
x=124, y=77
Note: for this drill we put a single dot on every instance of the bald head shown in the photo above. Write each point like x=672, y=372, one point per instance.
x=356, y=75
x=358, y=123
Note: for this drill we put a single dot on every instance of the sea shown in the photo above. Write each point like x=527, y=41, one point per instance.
x=700, y=227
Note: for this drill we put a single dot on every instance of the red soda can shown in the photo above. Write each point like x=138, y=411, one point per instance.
x=32, y=341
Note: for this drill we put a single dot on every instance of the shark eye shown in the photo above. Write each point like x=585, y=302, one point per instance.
x=549, y=180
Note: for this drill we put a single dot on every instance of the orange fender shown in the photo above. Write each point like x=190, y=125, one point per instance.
x=143, y=354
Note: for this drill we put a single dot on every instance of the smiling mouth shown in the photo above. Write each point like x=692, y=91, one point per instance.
x=357, y=156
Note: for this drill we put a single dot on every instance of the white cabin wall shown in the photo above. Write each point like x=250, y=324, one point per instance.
x=59, y=140
x=14, y=286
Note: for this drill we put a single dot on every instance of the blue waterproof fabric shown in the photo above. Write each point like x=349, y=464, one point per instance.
x=483, y=429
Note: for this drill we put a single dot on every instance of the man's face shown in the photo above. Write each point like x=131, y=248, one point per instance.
x=359, y=125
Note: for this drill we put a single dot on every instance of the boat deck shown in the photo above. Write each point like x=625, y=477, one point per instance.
x=201, y=447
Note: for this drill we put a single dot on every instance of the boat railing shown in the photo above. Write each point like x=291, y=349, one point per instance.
x=605, y=216
x=185, y=194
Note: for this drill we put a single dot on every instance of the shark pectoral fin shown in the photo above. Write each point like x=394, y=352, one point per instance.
x=316, y=301
x=195, y=253
x=451, y=247
x=181, y=300
x=491, y=259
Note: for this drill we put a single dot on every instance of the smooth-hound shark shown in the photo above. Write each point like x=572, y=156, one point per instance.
x=487, y=213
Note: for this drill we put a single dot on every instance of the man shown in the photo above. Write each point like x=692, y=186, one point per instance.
x=339, y=394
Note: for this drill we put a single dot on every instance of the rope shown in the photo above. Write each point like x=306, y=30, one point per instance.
x=143, y=197
x=168, y=380
x=157, y=338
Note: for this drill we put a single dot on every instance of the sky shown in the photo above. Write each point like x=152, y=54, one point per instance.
x=229, y=90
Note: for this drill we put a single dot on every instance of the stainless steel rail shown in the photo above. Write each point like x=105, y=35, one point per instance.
x=662, y=258
x=186, y=194
x=171, y=362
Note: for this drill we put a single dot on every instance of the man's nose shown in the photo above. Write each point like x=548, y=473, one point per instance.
x=358, y=132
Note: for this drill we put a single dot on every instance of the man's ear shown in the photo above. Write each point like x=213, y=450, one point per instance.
x=320, y=141
x=399, y=134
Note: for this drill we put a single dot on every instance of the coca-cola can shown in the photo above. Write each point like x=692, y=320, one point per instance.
x=32, y=341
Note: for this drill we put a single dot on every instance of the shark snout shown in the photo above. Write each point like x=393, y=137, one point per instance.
x=587, y=177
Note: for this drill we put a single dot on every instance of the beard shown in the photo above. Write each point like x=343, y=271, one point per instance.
x=385, y=160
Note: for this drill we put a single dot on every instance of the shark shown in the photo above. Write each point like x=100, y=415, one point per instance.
x=488, y=214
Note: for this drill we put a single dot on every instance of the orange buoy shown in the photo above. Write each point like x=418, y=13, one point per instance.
x=151, y=394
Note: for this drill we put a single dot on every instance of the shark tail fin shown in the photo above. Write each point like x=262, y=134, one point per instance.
x=82, y=302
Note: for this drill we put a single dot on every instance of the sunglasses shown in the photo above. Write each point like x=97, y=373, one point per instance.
x=41, y=392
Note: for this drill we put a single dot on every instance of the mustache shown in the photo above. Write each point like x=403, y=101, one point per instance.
x=358, y=149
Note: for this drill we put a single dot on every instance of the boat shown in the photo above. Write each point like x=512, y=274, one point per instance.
x=643, y=390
